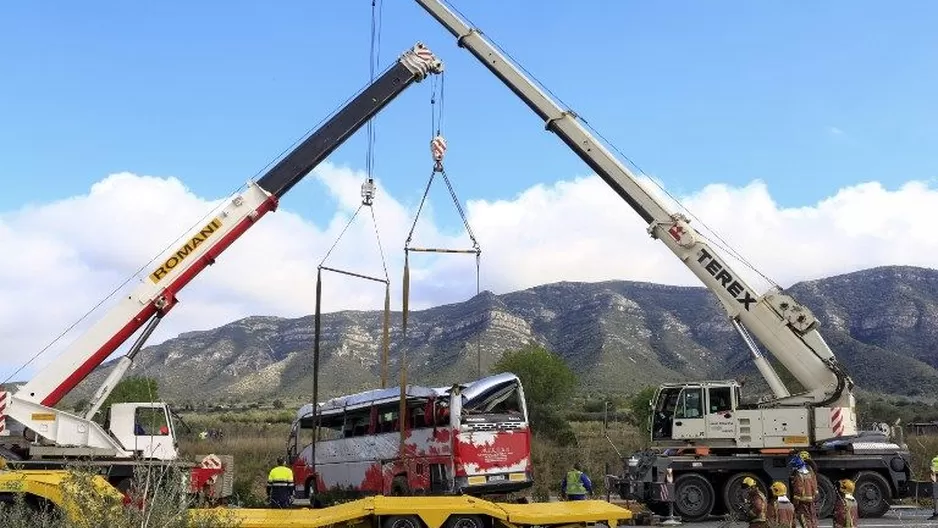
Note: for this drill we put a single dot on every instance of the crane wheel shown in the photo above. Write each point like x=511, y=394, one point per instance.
x=694, y=497
x=826, y=496
x=734, y=496
x=872, y=493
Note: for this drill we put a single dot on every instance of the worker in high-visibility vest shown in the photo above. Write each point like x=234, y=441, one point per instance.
x=280, y=485
x=934, y=488
x=575, y=485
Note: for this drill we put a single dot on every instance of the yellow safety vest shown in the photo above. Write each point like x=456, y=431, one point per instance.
x=574, y=484
x=280, y=474
x=934, y=464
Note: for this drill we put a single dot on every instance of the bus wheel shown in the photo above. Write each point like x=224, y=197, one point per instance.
x=872, y=493
x=693, y=497
x=401, y=521
x=399, y=487
x=465, y=521
x=124, y=485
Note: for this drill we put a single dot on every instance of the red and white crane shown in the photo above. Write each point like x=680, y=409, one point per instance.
x=29, y=415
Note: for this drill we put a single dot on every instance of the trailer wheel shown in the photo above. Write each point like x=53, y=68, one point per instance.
x=401, y=521
x=872, y=493
x=734, y=496
x=826, y=495
x=465, y=521
x=693, y=497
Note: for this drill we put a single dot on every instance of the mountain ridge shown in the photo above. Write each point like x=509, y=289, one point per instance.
x=618, y=336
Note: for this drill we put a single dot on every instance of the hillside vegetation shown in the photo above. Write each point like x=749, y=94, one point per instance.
x=617, y=336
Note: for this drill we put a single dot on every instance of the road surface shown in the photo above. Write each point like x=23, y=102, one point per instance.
x=917, y=517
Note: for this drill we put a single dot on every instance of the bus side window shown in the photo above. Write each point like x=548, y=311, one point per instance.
x=360, y=422
x=442, y=414
x=387, y=418
x=417, y=416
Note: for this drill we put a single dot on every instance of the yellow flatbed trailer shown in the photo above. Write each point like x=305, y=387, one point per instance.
x=373, y=512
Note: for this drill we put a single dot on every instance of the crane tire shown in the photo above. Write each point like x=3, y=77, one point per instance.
x=827, y=493
x=872, y=494
x=734, y=498
x=694, y=497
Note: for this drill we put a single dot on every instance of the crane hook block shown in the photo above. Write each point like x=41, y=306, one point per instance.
x=438, y=148
x=368, y=192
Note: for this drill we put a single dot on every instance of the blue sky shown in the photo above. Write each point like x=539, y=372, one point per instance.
x=811, y=98
x=807, y=96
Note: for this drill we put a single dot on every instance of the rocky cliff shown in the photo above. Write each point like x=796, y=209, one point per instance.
x=618, y=336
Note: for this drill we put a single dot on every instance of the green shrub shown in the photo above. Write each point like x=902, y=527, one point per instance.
x=157, y=500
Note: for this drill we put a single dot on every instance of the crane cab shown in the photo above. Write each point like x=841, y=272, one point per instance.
x=691, y=413
x=145, y=428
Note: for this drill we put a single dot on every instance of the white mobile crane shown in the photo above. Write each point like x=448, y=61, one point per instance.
x=727, y=441
x=35, y=434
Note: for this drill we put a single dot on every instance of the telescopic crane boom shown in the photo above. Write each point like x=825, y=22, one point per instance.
x=705, y=442
x=785, y=327
x=157, y=294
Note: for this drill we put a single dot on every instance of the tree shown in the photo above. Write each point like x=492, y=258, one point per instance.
x=548, y=385
x=133, y=389
x=546, y=378
x=639, y=406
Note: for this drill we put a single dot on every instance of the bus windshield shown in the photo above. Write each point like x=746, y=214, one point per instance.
x=498, y=397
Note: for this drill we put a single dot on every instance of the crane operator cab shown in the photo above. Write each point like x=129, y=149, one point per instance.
x=146, y=428
x=683, y=413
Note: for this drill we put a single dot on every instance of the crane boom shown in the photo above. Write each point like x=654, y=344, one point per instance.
x=785, y=327
x=158, y=292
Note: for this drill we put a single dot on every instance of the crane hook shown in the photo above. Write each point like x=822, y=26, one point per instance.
x=438, y=150
x=368, y=192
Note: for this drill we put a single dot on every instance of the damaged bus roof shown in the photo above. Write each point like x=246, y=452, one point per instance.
x=378, y=396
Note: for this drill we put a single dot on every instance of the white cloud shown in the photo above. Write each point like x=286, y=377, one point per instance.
x=69, y=254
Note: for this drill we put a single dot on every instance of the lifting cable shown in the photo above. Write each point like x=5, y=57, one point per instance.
x=438, y=150
x=368, y=196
